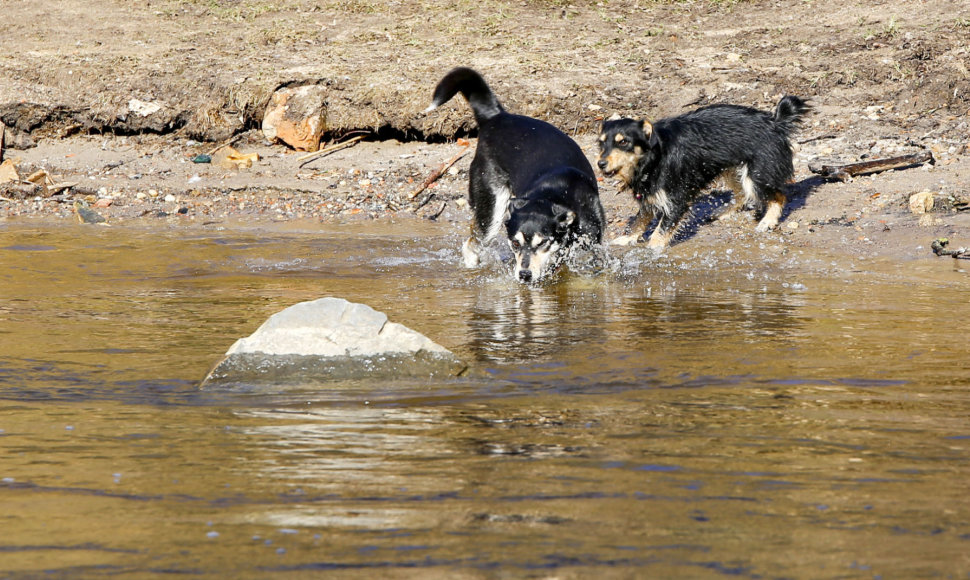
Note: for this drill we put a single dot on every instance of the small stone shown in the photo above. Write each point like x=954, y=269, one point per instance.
x=170, y=198
x=141, y=195
x=142, y=108
x=921, y=203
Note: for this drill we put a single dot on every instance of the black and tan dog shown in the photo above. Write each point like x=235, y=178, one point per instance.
x=530, y=171
x=669, y=163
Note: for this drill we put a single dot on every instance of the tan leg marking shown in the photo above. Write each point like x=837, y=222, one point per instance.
x=660, y=238
x=772, y=213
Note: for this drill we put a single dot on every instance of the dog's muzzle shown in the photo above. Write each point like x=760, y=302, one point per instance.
x=525, y=275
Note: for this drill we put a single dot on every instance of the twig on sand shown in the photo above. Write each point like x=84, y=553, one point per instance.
x=440, y=211
x=304, y=159
x=225, y=143
x=818, y=138
x=437, y=173
x=847, y=172
x=939, y=248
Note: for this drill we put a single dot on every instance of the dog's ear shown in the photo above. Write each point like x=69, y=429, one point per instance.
x=564, y=216
x=649, y=133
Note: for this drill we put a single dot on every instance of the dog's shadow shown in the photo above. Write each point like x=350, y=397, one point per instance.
x=709, y=207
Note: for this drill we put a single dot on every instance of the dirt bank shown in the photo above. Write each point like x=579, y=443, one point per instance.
x=885, y=79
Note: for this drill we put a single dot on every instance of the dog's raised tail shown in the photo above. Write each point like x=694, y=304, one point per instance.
x=790, y=111
x=470, y=84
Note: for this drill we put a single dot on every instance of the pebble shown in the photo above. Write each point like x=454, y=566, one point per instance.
x=170, y=198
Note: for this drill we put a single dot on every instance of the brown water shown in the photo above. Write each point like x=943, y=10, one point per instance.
x=690, y=416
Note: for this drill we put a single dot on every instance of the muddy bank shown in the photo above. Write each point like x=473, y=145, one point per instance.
x=207, y=70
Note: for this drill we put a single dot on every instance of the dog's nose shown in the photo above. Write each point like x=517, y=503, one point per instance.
x=601, y=163
x=525, y=275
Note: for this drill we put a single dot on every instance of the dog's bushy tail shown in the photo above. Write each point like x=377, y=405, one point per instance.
x=790, y=111
x=470, y=84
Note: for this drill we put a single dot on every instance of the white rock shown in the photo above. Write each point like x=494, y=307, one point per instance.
x=327, y=340
x=332, y=327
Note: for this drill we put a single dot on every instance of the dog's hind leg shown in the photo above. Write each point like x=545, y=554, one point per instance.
x=736, y=179
x=773, y=210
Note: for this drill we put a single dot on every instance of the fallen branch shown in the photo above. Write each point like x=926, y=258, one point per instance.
x=939, y=248
x=304, y=159
x=847, y=172
x=437, y=173
x=3, y=132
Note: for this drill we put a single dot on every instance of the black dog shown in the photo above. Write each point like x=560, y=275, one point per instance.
x=531, y=171
x=669, y=163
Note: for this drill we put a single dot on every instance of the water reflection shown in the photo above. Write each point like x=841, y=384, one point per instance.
x=509, y=322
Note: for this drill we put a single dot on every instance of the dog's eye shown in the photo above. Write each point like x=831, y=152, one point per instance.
x=515, y=244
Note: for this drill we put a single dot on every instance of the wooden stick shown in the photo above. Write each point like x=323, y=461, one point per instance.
x=3, y=132
x=847, y=172
x=328, y=150
x=437, y=173
x=225, y=143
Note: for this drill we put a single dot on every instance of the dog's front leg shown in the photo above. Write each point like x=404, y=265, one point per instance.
x=640, y=225
x=661, y=236
x=471, y=250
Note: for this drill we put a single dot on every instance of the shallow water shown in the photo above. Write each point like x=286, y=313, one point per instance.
x=704, y=414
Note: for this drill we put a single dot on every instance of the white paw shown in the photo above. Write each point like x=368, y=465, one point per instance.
x=765, y=226
x=625, y=240
x=470, y=255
